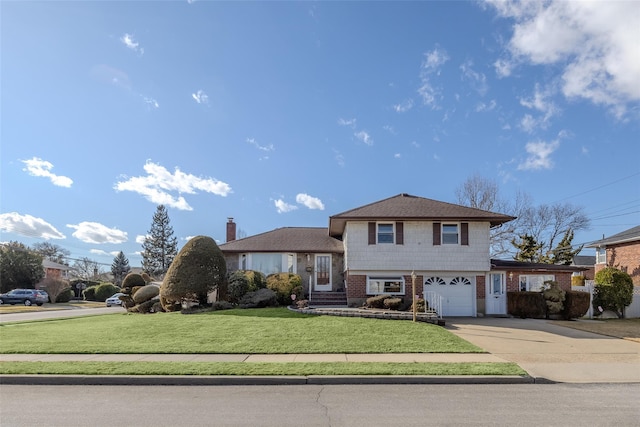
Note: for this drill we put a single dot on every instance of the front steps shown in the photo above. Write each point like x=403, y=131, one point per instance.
x=328, y=299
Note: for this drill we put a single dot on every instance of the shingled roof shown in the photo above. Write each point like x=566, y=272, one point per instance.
x=630, y=235
x=287, y=239
x=408, y=207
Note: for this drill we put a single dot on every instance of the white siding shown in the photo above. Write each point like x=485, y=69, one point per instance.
x=418, y=251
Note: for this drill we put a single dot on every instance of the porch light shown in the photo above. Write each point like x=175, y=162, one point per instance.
x=510, y=275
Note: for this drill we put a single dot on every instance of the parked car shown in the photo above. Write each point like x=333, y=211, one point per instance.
x=24, y=296
x=114, y=299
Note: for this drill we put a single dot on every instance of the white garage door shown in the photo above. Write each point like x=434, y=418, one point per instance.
x=457, y=294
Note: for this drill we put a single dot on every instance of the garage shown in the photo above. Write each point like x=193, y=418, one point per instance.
x=457, y=292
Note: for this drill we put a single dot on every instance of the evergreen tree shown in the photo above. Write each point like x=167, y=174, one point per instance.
x=529, y=250
x=159, y=246
x=120, y=268
x=19, y=267
x=563, y=254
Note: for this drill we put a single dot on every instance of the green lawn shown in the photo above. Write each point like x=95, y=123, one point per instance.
x=228, y=368
x=257, y=331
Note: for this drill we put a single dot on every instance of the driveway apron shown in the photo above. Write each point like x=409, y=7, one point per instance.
x=553, y=352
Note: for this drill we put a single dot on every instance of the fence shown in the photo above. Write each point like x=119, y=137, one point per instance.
x=631, y=311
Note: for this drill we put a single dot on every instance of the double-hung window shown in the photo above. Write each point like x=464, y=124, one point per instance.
x=386, y=233
x=601, y=255
x=450, y=234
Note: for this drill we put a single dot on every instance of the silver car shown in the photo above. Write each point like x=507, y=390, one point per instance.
x=24, y=296
x=114, y=299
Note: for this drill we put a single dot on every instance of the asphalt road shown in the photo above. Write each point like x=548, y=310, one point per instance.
x=331, y=405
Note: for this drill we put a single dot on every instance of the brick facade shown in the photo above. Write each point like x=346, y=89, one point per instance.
x=625, y=257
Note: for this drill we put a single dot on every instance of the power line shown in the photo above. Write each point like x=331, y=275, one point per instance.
x=599, y=187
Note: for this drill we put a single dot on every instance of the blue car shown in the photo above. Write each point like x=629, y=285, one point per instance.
x=24, y=296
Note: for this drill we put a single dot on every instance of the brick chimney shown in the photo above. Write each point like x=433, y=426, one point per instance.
x=231, y=230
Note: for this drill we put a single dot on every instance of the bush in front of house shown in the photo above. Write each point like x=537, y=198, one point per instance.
x=392, y=303
x=613, y=291
x=66, y=295
x=577, y=280
x=553, y=297
x=256, y=280
x=576, y=304
x=285, y=285
x=104, y=291
x=198, y=269
x=526, y=304
x=376, y=301
x=237, y=286
x=89, y=294
x=421, y=305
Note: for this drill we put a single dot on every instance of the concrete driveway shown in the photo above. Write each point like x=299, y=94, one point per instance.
x=553, y=352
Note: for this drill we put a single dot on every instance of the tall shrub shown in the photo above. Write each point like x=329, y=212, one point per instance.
x=105, y=290
x=613, y=291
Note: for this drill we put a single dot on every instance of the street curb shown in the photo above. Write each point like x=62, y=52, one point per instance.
x=188, y=380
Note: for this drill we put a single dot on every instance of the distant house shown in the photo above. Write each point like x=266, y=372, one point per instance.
x=586, y=261
x=374, y=249
x=55, y=270
x=622, y=251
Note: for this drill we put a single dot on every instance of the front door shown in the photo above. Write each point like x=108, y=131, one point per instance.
x=496, y=297
x=323, y=273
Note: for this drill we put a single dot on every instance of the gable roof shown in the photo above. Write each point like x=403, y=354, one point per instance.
x=287, y=239
x=407, y=207
x=54, y=265
x=629, y=235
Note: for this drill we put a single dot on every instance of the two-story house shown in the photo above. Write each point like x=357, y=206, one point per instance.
x=622, y=250
x=374, y=249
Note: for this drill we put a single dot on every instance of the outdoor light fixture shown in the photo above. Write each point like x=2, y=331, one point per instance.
x=511, y=275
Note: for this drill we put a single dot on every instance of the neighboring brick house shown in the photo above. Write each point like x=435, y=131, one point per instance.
x=55, y=270
x=374, y=249
x=621, y=251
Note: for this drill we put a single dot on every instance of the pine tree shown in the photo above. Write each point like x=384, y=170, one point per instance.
x=563, y=254
x=159, y=246
x=120, y=268
x=529, y=250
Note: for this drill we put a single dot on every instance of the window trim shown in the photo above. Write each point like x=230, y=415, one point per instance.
x=527, y=283
x=393, y=233
x=385, y=279
x=601, y=255
x=443, y=234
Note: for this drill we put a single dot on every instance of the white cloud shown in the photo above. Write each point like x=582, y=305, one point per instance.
x=93, y=232
x=39, y=167
x=200, y=97
x=434, y=60
x=339, y=158
x=403, y=106
x=309, y=201
x=397, y=156
x=364, y=137
x=283, y=207
x=347, y=122
x=140, y=238
x=253, y=142
x=30, y=226
x=128, y=41
x=539, y=101
x=104, y=253
x=595, y=44
x=157, y=185
x=478, y=81
x=483, y=107
x=152, y=103
x=539, y=155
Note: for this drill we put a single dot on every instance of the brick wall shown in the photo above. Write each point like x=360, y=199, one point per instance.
x=625, y=257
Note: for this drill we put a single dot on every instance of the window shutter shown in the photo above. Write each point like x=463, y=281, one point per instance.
x=436, y=233
x=464, y=238
x=399, y=233
x=372, y=233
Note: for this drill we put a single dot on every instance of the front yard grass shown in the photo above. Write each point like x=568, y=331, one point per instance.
x=252, y=331
x=233, y=368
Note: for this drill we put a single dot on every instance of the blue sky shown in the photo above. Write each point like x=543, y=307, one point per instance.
x=284, y=113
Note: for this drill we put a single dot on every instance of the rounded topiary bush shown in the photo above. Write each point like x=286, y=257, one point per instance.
x=198, y=269
x=237, y=286
x=613, y=291
x=146, y=293
x=285, y=285
x=89, y=294
x=132, y=280
x=65, y=296
x=105, y=290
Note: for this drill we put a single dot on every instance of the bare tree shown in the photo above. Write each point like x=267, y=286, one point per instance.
x=54, y=287
x=483, y=193
x=85, y=268
x=51, y=252
x=545, y=223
